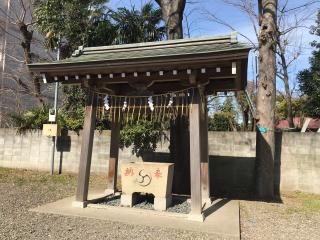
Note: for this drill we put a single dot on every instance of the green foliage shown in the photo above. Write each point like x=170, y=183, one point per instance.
x=224, y=117
x=71, y=20
x=228, y=108
x=281, y=107
x=142, y=136
x=133, y=26
x=127, y=26
x=103, y=32
x=71, y=114
x=309, y=79
x=89, y=23
x=32, y=119
x=219, y=122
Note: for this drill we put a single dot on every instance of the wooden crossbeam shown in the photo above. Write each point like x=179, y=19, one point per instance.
x=115, y=77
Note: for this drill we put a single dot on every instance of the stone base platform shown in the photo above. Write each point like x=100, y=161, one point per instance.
x=221, y=218
x=160, y=204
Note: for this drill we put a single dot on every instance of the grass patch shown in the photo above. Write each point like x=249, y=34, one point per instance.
x=303, y=202
x=312, y=205
x=57, y=179
x=22, y=177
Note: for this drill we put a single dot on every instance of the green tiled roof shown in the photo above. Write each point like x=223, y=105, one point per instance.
x=170, y=48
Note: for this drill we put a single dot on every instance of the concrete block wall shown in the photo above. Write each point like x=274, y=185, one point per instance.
x=33, y=151
x=300, y=162
x=232, y=157
x=297, y=162
x=232, y=163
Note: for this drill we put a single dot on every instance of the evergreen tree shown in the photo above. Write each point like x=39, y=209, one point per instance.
x=90, y=23
x=70, y=20
x=309, y=79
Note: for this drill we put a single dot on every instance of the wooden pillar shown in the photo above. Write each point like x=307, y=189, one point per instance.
x=86, y=150
x=195, y=157
x=114, y=153
x=205, y=169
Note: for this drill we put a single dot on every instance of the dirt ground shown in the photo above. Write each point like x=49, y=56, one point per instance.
x=297, y=217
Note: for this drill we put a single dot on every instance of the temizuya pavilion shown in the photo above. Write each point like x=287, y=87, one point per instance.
x=205, y=65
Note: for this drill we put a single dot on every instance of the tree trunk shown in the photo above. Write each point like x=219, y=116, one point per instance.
x=172, y=13
x=232, y=125
x=245, y=116
x=266, y=98
x=26, y=45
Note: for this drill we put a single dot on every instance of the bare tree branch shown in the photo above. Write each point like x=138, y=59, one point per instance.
x=24, y=11
x=289, y=21
x=18, y=15
x=310, y=3
x=214, y=18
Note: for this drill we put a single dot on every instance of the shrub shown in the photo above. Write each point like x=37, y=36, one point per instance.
x=32, y=119
x=142, y=136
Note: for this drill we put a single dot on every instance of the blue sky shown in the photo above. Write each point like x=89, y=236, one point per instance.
x=201, y=25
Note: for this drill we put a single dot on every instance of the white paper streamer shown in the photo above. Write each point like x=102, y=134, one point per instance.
x=106, y=103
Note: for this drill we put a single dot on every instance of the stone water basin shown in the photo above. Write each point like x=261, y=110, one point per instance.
x=147, y=177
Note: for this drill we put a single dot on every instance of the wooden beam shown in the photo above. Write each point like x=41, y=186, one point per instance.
x=195, y=157
x=114, y=153
x=221, y=85
x=214, y=85
x=86, y=150
x=152, y=74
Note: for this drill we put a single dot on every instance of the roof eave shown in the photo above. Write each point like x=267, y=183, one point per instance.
x=67, y=66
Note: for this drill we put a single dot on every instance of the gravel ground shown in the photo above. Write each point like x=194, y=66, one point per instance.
x=297, y=218
x=111, y=201
x=24, y=190
x=179, y=204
